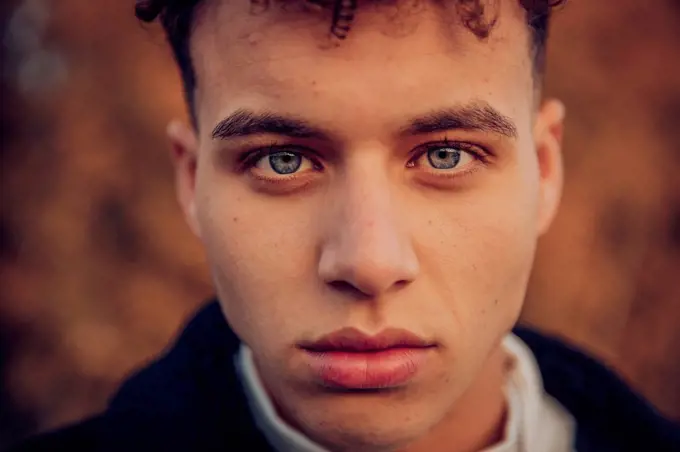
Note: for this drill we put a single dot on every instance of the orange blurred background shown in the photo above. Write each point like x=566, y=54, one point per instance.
x=98, y=270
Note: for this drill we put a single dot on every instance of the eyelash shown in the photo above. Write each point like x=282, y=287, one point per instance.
x=249, y=158
x=479, y=153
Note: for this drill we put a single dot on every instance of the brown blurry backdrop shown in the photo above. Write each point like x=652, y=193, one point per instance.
x=98, y=270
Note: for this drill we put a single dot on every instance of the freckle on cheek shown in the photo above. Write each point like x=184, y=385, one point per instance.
x=254, y=38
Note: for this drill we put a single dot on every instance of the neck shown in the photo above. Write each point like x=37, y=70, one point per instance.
x=479, y=417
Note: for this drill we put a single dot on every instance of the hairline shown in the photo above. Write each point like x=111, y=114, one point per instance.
x=180, y=32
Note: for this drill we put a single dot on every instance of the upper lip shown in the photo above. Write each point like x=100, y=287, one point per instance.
x=352, y=339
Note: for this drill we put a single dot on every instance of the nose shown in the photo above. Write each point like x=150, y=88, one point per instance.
x=367, y=247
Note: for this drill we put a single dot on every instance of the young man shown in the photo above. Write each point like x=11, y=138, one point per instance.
x=369, y=199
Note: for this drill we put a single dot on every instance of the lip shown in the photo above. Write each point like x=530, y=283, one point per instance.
x=350, y=359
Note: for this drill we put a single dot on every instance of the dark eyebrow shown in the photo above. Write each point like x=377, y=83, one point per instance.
x=475, y=116
x=245, y=122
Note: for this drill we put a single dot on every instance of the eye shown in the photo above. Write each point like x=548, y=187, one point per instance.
x=283, y=162
x=448, y=157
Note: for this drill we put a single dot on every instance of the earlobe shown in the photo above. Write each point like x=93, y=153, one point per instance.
x=548, y=137
x=184, y=146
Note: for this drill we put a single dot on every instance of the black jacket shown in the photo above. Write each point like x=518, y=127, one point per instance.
x=191, y=400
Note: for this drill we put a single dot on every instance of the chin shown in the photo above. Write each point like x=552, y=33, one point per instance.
x=371, y=426
x=361, y=439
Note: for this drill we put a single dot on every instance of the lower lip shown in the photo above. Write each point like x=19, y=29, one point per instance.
x=381, y=369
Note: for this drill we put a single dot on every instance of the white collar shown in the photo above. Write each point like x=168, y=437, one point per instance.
x=536, y=422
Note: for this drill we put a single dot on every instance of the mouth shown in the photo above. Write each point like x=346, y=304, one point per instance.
x=349, y=359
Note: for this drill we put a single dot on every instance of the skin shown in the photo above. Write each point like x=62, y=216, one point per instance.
x=367, y=233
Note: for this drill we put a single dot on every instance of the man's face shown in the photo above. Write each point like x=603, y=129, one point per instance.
x=408, y=192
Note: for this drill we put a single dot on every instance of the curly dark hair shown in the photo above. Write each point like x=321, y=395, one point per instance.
x=176, y=18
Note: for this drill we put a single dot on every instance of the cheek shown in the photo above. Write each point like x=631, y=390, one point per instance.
x=255, y=252
x=478, y=252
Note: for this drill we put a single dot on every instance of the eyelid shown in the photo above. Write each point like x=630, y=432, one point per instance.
x=478, y=152
x=462, y=145
x=249, y=158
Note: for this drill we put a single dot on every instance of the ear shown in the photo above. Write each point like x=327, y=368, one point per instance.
x=184, y=145
x=548, y=131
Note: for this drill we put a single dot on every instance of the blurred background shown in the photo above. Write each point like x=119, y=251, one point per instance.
x=98, y=271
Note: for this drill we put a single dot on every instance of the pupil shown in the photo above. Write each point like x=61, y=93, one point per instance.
x=285, y=162
x=446, y=158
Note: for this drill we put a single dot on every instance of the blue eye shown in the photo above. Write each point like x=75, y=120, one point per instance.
x=285, y=162
x=444, y=157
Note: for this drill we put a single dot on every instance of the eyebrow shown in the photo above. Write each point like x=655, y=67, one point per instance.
x=476, y=116
x=245, y=122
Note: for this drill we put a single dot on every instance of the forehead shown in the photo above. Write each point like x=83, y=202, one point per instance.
x=398, y=57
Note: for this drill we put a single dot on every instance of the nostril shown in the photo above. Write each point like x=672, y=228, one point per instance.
x=401, y=283
x=347, y=288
